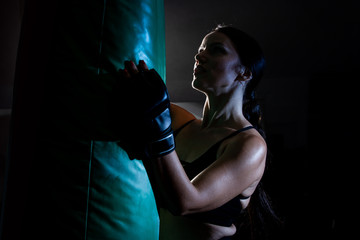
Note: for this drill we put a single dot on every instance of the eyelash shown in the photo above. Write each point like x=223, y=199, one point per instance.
x=214, y=50
x=218, y=49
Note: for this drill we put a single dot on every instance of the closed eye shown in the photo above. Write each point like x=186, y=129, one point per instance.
x=214, y=48
x=217, y=48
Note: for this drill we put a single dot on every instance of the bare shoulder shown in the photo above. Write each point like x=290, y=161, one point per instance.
x=247, y=146
x=179, y=116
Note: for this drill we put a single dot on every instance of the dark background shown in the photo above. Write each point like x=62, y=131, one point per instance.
x=309, y=93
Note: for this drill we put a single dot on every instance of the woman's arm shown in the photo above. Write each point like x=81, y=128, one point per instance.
x=239, y=167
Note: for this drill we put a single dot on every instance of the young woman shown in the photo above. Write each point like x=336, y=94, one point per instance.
x=210, y=186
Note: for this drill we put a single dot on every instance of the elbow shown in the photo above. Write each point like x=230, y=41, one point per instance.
x=183, y=207
x=176, y=211
x=179, y=211
x=177, y=205
x=182, y=211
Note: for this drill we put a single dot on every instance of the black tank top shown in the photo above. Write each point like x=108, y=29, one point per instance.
x=226, y=214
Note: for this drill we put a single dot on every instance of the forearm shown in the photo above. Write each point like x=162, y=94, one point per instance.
x=152, y=117
x=172, y=185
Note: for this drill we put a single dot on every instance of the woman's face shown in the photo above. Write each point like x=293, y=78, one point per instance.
x=217, y=64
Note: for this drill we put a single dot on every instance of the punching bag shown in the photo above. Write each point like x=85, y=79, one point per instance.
x=66, y=176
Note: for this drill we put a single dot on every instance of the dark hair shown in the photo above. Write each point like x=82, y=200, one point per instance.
x=252, y=57
x=259, y=216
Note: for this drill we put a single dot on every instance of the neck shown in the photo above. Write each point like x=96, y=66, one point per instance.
x=223, y=111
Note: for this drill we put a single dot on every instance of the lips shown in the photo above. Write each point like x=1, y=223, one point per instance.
x=199, y=69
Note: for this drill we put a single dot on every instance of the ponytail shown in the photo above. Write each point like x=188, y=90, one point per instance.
x=258, y=218
x=251, y=56
x=252, y=109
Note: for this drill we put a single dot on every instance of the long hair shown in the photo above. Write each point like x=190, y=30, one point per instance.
x=259, y=216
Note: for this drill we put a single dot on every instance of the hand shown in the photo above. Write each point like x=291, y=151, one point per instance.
x=148, y=127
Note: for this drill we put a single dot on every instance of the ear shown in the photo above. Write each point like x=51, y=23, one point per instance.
x=244, y=74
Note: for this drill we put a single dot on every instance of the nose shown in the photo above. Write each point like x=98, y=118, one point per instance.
x=199, y=57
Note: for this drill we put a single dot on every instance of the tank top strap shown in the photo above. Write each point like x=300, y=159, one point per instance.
x=237, y=132
x=176, y=132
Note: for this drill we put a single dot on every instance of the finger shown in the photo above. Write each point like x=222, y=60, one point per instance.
x=142, y=65
x=131, y=67
x=124, y=73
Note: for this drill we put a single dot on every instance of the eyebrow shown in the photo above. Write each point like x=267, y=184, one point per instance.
x=212, y=44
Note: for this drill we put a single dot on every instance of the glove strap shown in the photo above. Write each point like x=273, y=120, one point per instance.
x=162, y=146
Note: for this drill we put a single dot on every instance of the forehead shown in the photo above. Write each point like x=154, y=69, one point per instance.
x=217, y=37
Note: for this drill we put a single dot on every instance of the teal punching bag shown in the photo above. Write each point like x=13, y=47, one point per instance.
x=66, y=177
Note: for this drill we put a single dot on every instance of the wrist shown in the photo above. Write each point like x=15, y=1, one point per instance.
x=161, y=146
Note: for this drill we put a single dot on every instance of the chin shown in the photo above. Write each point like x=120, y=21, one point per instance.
x=197, y=86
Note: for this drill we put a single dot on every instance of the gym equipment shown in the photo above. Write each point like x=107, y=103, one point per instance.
x=67, y=178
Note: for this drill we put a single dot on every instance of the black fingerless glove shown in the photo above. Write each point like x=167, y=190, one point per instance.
x=144, y=118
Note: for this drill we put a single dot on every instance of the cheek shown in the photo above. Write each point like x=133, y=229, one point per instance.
x=222, y=74
x=225, y=71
